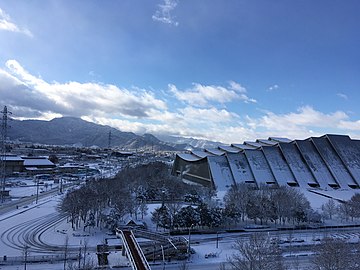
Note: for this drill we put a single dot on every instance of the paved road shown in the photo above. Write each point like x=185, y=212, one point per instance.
x=10, y=206
x=25, y=201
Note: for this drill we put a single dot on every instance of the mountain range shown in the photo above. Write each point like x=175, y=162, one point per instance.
x=78, y=132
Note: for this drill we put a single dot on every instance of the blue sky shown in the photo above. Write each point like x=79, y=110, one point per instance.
x=229, y=70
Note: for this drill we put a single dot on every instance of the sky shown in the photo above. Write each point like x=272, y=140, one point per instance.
x=225, y=71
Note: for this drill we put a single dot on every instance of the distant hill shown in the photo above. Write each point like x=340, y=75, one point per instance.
x=75, y=131
x=188, y=143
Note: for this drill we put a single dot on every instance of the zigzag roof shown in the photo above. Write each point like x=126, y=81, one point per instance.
x=326, y=162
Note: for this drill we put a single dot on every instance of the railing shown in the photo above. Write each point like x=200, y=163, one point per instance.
x=6, y=260
x=134, y=252
x=128, y=251
x=142, y=256
x=151, y=235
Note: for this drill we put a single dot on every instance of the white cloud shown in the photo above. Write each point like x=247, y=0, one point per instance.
x=301, y=124
x=211, y=115
x=237, y=87
x=163, y=14
x=73, y=98
x=342, y=95
x=202, y=95
x=273, y=88
x=7, y=25
x=140, y=111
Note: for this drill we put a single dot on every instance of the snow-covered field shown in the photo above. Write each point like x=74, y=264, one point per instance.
x=45, y=228
x=42, y=228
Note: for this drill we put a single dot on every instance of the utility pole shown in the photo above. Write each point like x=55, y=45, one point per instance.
x=3, y=138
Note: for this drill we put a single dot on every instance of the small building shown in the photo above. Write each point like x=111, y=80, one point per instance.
x=130, y=222
x=70, y=168
x=36, y=165
x=121, y=154
x=13, y=164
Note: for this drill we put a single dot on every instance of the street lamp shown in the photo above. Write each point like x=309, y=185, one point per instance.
x=163, y=256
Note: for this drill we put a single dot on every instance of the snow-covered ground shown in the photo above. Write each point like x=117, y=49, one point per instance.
x=46, y=229
x=41, y=223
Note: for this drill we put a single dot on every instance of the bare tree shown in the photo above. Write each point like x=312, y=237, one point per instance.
x=256, y=254
x=183, y=266
x=329, y=208
x=354, y=206
x=344, y=211
x=333, y=254
x=237, y=198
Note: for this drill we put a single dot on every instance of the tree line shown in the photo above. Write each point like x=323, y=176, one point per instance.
x=261, y=253
x=262, y=205
x=106, y=201
x=278, y=205
x=345, y=210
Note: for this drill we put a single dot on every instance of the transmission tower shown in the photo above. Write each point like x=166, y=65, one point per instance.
x=4, y=126
x=109, y=141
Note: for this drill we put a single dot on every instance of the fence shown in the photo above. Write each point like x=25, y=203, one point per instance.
x=5, y=260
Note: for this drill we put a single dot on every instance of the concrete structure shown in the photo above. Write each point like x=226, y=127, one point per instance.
x=328, y=162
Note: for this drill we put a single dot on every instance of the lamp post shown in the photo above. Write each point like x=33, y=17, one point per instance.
x=37, y=190
x=163, y=256
x=217, y=239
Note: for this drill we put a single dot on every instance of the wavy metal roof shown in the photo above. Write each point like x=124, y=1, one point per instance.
x=326, y=162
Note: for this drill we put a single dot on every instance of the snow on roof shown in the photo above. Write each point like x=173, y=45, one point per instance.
x=266, y=142
x=333, y=162
x=215, y=151
x=220, y=172
x=38, y=162
x=315, y=200
x=240, y=168
x=349, y=153
x=188, y=157
x=11, y=158
x=278, y=165
x=242, y=146
x=279, y=139
x=229, y=149
x=259, y=167
x=297, y=165
x=255, y=144
x=326, y=162
x=316, y=164
x=201, y=154
x=341, y=195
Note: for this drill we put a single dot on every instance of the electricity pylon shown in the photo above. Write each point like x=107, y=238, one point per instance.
x=4, y=126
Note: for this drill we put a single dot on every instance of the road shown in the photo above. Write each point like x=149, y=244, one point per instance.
x=10, y=206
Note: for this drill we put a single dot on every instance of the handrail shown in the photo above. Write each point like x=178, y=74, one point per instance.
x=127, y=249
x=134, y=252
x=140, y=252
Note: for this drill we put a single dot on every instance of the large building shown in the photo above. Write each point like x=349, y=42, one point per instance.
x=329, y=162
x=32, y=165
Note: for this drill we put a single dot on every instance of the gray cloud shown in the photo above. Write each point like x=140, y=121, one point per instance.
x=27, y=93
